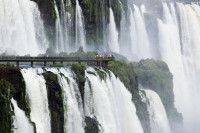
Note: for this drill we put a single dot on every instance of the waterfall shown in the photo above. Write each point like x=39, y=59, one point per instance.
x=38, y=100
x=133, y=33
x=110, y=102
x=21, y=28
x=113, y=34
x=72, y=101
x=139, y=38
x=177, y=29
x=21, y=122
x=124, y=32
x=158, y=116
x=61, y=28
x=181, y=58
x=80, y=39
x=59, y=33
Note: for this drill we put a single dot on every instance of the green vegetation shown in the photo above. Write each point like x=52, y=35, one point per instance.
x=55, y=101
x=155, y=75
x=102, y=73
x=6, y=113
x=79, y=70
x=12, y=85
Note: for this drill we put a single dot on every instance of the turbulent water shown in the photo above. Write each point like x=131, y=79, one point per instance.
x=72, y=101
x=21, y=122
x=37, y=95
x=21, y=28
x=158, y=117
x=107, y=100
x=110, y=102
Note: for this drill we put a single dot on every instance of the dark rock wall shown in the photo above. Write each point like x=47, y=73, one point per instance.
x=12, y=85
x=55, y=101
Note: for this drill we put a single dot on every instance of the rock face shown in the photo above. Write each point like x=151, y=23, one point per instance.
x=55, y=101
x=12, y=85
x=92, y=125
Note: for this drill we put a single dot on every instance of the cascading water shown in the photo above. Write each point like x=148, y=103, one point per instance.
x=158, y=116
x=21, y=122
x=124, y=32
x=110, y=102
x=61, y=28
x=178, y=45
x=37, y=95
x=21, y=28
x=113, y=34
x=139, y=39
x=80, y=39
x=72, y=101
x=59, y=31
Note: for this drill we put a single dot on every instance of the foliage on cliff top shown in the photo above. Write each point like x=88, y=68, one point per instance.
x=79, y=70
x=125, y=72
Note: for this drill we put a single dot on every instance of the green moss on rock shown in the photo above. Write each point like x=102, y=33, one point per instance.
x=12, y=85
x=5, y=107
x=55, y=101
x=79, y=70
x=155, y=75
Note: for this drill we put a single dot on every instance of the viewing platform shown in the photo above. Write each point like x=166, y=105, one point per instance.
x=99, y=62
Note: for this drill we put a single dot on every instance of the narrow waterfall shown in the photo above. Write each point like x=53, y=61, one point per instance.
x=133, y=34
x=59, y=32
x=72, y=101
x=21, y=122
x=37, y=95
x=80, y=39
x=110, y=102
x=124, y=32
x=21, y=28
x=113, y=34
x=158, y=116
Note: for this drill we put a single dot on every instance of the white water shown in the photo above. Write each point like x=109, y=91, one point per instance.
x=21, y=122
x=113, y=34
x=38, y=101
x=140, y=45
x=21, y=28
x=72, y=101
x=183, y=64
x=158, y=117
x=178, y=33
x=110, y=102
x=80, y=39
x=59, y=32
